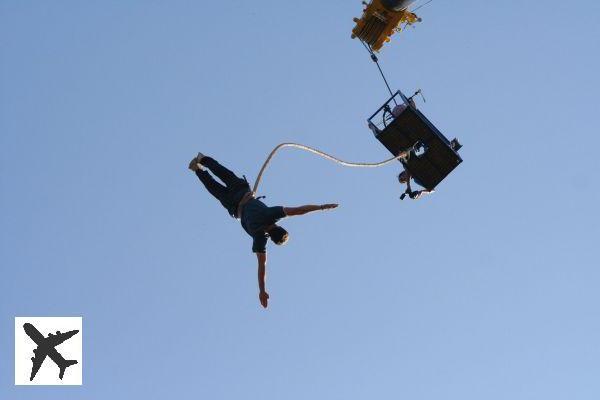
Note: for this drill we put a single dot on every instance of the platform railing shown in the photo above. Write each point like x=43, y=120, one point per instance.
x=383, y=115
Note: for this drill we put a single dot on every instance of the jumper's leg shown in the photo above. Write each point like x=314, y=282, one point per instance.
x=228, y=177
x=215, y=188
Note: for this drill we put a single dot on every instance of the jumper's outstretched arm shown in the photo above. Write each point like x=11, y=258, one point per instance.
x=263, y=296
x=295, y=211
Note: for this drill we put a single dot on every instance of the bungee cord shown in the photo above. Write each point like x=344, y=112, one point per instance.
x=404, y=155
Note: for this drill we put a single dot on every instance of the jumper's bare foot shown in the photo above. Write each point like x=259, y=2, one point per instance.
x=329, y=206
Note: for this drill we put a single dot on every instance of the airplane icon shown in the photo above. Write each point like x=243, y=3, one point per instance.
x=46, y=347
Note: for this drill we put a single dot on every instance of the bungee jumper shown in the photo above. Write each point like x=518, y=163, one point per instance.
x=257, y=219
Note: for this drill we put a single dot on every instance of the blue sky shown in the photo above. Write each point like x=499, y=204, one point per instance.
x=488, y=289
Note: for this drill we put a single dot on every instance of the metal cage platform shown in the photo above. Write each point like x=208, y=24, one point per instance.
x=400, y=131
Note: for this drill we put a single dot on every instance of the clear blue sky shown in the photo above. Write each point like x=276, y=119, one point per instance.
x=486, y=290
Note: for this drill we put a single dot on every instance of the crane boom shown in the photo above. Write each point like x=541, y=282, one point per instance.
x=381, y=19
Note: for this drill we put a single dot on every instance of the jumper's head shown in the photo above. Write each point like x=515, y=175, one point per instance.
x=403, y=177
x=278, y=235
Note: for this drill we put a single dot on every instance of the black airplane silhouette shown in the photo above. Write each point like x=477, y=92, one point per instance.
x=46, y=347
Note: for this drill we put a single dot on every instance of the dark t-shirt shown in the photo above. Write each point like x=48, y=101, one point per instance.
x=255, y=217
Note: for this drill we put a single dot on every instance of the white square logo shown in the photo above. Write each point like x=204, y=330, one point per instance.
x=48, y=350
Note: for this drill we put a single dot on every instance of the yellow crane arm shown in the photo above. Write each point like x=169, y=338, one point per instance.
x=380, y=20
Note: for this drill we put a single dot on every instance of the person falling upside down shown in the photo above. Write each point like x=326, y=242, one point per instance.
x=258, y=220
x=404, y=178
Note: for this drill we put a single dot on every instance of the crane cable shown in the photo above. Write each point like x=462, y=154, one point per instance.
x=421, y=6
x=375, y=59
x=404, y=156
